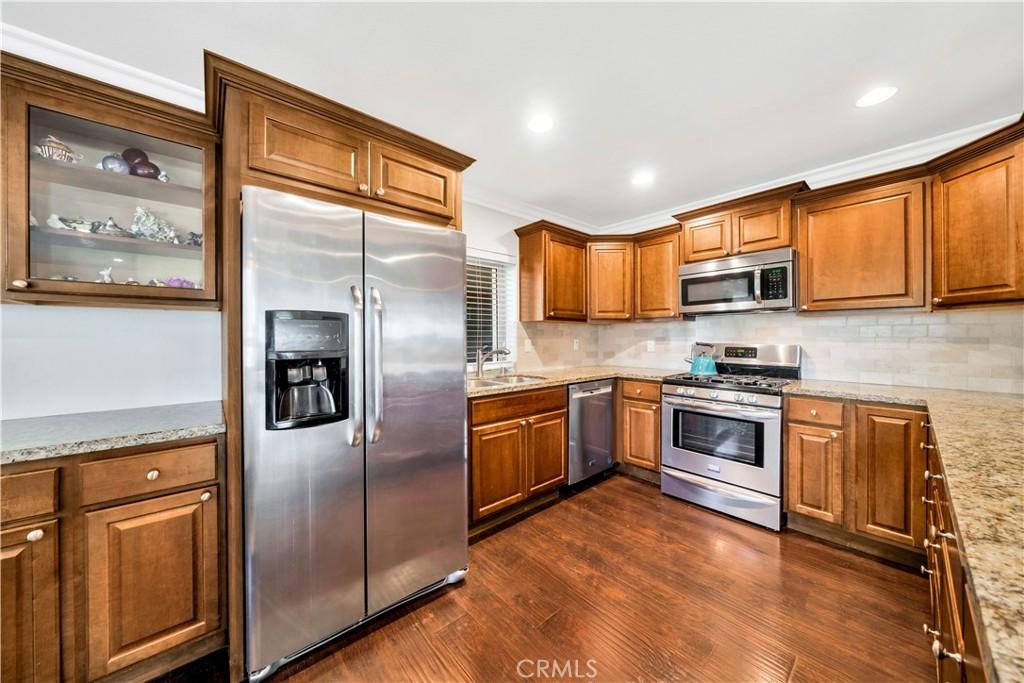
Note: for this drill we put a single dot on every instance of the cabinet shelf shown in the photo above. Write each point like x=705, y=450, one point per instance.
x=71, y=238
x=84, y=177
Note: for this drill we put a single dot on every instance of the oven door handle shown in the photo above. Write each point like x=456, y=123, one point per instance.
x=702, y=483
x=725, y=411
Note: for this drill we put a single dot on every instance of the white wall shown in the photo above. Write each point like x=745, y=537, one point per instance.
x=57, y=359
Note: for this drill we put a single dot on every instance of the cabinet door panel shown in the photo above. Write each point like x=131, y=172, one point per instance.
x=152, y=578
x=565, y=278
x=546, y=451
x=641, y=434
x=815, y=473
x=656, y=277
x=291, y=143
x=707, y=237
x=29, y=604
x=863, y=250
x=611, y=281
x=761, y=227
x=406, y=179
x=499, y=459
x=890, y=474
x=978, y=233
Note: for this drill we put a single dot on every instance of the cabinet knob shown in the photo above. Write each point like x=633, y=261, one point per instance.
x=928, y=630
x=928, y=476
x=834, y=435
x=205, y=497
x=927, y=501
x=942, y=653
x=20, y=284
x=637, y=391
x=926, y=446
x=380, y=191
x=654, y=407
x=363, y=187
x=35, y=535
x=153, y=475
x=814, y=413
x=522, y=423
x=937, y=300
x=928, y=544
x=804, y=307
x=925, y=571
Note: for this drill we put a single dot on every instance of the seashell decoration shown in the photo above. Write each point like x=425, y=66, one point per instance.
x=146, y=225
x=110, y=227
x=32, y=222
x=76, y=224
x=54, y=148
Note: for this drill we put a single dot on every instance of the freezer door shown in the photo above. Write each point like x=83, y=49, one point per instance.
x=416, y=408
x=303, y=487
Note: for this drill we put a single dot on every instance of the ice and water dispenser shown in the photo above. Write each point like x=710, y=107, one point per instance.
x=307, y=368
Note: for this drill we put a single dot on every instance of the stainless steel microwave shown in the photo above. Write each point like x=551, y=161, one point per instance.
x=762, y=281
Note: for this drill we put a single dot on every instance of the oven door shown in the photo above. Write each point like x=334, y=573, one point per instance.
x=739, y=445
x=721, y=291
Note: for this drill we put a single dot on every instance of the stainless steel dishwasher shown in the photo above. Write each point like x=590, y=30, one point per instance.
x=590, y=429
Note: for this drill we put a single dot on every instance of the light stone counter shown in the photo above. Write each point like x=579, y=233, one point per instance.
x=558, y=377
x=981, y=443
x=36, y=438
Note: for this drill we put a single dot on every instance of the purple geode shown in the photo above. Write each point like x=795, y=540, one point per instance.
x=180, y=282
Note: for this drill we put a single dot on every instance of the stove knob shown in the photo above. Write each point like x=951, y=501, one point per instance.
x=691, y=392
x=713, y=394
x=751, y=399
x=738, y=397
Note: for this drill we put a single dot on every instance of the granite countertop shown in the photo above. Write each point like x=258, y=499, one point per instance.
x=981, y=443
x=558, y=377
x=35, y=438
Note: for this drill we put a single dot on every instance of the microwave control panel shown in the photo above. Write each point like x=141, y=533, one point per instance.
x=775, y=283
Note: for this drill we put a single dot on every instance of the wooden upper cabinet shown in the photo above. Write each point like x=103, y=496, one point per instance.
x=86, y=217
x=815, y=472
x=978, y=229
x=152, y=577
x=400, y=177
x=761, y=227
x=889, y=465
x=546, y=451
x=552, y=273
x=29, y=604
x=863, y=249
x=288, y=142
x=657, y=261
x=708, y=237
x=611, y=280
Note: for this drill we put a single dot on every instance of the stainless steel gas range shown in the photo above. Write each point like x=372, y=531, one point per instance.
x=721, y=435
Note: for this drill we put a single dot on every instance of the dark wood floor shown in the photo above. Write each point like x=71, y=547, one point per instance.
x=647, y=588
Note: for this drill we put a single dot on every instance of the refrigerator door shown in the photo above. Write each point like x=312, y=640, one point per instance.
x=304, y=525
x=416, y=408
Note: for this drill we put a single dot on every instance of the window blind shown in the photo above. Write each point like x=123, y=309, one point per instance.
x=487, y=307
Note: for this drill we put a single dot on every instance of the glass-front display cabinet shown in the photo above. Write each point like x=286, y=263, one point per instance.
x=106, y=202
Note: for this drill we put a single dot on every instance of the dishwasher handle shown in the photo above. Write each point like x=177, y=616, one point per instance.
x=590, y=392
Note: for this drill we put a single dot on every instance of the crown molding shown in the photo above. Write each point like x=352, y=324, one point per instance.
x=63, y=56
x=496, y=201
x=875, y=163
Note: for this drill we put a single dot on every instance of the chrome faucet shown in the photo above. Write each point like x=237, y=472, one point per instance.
x=482, y=357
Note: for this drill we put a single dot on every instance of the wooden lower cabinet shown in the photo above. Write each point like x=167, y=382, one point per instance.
x=641, y=433
x=29, y=604
x=815, y=472
x=546, y=451
x=498, y=464
x=889, y=481
x=152, y=577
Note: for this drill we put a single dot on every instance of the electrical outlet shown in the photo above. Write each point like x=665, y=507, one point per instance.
x=650, y=345
x=575, y=344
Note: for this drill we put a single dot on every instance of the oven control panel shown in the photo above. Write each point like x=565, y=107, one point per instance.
x=721, y=396
x=740, y=352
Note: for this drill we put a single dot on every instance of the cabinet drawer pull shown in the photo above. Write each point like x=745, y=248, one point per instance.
x=928, y=630
x=928, y=544
x=153, y=475
x=926, y=425
x=834, y=435
x=933, y=533
x=926, y=447
x=20, y=284
x=927, y=501
x=925, y=571
x=638, y=391
x=928, y=475
x=942, y=653
x=803, y=308
x=205, y=497
x=814, y=412
x=35, y=535
x=380, y=191
x=937, y=300
x=363, y=187
x=654, y=407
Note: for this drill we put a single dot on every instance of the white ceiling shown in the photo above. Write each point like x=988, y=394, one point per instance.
x=712, y=97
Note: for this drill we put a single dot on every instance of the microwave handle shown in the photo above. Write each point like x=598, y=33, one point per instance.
x=757, y=286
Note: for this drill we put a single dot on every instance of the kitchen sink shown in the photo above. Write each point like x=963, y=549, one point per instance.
x=519, y=379
x=500, y=381
x=474, y=383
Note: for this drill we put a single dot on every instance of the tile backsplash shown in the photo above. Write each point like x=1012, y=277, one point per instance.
x=980, y=350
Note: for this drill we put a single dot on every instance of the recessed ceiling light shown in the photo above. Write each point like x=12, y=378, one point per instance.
x=540, y=123
x=118, y=260
x=642, y=177
x=876, y=96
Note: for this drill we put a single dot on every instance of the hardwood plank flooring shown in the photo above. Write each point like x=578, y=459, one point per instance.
x=620, y=583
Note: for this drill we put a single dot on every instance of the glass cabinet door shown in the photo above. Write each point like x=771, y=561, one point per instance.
x=109, y=211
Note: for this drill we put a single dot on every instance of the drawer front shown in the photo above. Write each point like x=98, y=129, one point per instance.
x=29, y=494
x=814, y=411
x=134, y=475
x=519, y=404
x=641, y=391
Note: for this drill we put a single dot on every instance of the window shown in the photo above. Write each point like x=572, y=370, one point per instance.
x=488, y=306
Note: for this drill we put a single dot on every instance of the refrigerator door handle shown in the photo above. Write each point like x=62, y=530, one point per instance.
x=378, y=365
x=357, y=365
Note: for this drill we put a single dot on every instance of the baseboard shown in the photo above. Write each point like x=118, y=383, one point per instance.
x=905, y=557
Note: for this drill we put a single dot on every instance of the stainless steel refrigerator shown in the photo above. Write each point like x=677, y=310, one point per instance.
x=354, y=403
